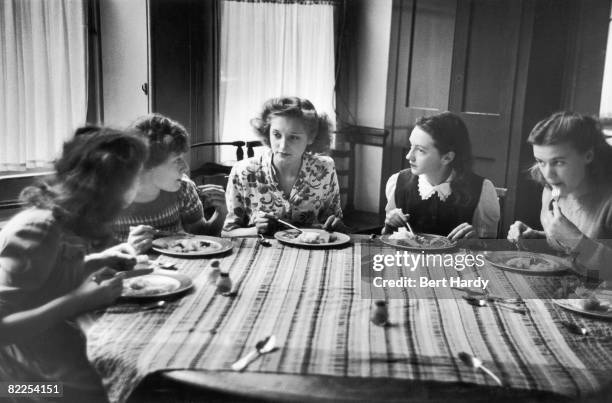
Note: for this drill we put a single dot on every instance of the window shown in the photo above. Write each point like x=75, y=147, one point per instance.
x=43, y=93
x=271, y=49
x=605, y=109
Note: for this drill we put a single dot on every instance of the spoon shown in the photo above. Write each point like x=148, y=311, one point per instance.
x=153, y=305
x=576, y=329
x=481, y=302
x=476, y=363
x=145, y=307
x=263, y=346
x=263, y=241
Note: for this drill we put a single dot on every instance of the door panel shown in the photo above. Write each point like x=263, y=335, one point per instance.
x=423, y=40
x=483, y=77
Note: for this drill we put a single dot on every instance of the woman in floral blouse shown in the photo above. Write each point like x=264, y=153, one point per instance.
x=290, y=180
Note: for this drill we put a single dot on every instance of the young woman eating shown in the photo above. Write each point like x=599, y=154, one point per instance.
x=439, y=193
x=46, y=276
x=574, y=164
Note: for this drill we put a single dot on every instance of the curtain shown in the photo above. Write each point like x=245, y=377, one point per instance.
x=43, y=94
x=271, y=49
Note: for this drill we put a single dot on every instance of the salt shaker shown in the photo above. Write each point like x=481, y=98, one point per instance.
x=380, y=316
x=213, y=272
x=224, y=283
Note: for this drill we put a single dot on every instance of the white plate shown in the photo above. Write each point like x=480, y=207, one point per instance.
x=292, y=237
x=203, y=245
x=528, y=262
x=155, y=285
x=577, y=305
x=434, y=243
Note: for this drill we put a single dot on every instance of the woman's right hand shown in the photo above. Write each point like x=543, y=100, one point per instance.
x=141, y=238
x=520, y=230
x=396, y=219
x=263, y=222
x=99, y=290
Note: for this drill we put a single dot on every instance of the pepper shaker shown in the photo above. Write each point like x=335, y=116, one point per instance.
x=380, y=315
x=214, y=271
x=224, y=283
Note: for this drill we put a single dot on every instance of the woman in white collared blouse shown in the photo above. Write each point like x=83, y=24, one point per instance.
x=439, y=193
x=290, y=180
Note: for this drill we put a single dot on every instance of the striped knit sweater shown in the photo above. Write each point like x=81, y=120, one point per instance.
x=170, y=211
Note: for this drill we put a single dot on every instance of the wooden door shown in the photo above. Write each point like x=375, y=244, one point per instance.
x=483, y=79
x=420, y=60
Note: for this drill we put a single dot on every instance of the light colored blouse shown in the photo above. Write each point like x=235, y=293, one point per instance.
x=486, y=214
x=592, y=214
x=253, y=188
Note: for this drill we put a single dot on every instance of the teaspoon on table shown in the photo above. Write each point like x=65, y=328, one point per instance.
x=263, y=346
x=482, y=302
x=476, y=363
x=263, y=241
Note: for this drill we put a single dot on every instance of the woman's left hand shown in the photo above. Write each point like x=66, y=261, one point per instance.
x=562, y=230
x=119, y=257
x=214, y=196
x=334, y=223
x=461, y=231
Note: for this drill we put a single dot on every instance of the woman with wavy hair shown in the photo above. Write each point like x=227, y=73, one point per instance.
x=47, y=277
x=167, y=200
x=574, y=164
x=439, y=193
x=292, y=180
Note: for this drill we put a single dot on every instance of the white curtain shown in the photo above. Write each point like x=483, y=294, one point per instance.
x=268, y=50
x=43, y=92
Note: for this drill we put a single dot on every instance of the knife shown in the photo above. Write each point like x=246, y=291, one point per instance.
x=135, y=273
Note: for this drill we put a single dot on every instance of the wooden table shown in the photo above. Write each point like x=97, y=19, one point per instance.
x=329, y=350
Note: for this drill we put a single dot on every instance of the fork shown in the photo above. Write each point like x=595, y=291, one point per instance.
x=289, y=225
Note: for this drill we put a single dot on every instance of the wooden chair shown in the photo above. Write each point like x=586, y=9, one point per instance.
x=212, y=172
x=361, y=222
x=501, y=197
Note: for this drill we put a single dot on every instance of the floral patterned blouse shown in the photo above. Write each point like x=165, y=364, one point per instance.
x=253, y=187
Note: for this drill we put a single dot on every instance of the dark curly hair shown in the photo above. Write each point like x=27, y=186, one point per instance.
x=318, y=125
x=164, y=135
x=450, y=133
x=97, y=166
x=583, y=133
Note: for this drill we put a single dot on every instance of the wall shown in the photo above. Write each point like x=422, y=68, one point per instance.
x=368, y=38
x=123, y=26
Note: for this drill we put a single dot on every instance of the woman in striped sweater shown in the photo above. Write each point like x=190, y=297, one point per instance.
x=167, y=199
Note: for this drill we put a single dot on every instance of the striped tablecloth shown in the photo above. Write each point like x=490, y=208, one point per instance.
x=309, y=299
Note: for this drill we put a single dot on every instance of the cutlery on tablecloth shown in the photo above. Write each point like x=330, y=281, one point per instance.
x=137, y=308
x=489, y=297
x=576, y=329
x=482, y=302
x=263, y=346
x=263, y=241
x=476, y=363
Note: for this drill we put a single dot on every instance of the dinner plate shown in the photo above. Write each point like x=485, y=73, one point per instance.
x=155, y=285
x=577, y=305
x=293, y=237
x=193, y=245
x=528, y=262
x=425, y=242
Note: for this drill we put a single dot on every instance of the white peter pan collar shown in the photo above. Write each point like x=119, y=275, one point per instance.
x=426, y=189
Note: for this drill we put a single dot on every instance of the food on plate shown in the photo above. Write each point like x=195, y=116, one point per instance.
x=405, y=238
x=186, y=245
x=532, y=263
x=146, y=286
x=593, y=304
x=311, y=237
